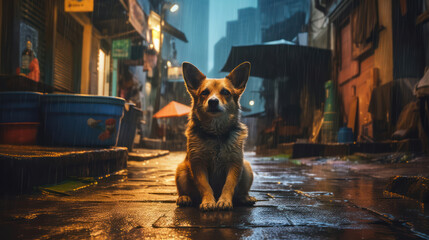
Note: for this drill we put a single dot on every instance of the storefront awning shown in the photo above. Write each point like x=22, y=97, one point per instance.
x=112, y=20
x=168, y=28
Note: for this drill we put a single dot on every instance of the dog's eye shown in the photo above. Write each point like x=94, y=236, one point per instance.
x=225, y=92
x=205, y=92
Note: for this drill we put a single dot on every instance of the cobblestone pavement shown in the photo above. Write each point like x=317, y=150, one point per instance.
x=297, y=199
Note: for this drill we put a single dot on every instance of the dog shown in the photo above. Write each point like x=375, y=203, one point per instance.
x=214, y=173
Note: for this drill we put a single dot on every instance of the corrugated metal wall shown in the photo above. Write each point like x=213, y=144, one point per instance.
x=63, y=63
x=68, y=42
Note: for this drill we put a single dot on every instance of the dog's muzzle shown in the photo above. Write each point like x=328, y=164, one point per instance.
x=214, y=105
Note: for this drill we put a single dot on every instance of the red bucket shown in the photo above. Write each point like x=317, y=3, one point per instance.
x=19, y=133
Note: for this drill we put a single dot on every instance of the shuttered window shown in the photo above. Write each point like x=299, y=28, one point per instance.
x=63, y=64
x=67, y=52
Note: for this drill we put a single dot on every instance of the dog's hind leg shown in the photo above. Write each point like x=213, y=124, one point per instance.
x=186, y=189
x=241, y=195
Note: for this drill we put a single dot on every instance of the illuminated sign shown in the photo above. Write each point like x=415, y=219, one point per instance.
x=121, y=48
x=78, y=5
x=137, y=19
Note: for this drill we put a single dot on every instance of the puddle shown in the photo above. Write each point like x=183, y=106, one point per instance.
x=315, y=194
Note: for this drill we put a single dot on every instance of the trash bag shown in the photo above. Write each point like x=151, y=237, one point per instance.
x=422, y=92
x=408, y=121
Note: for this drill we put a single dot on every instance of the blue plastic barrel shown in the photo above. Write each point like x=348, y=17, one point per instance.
x=345, y=135
x=19, y=107
x=129, y=126
x=19, y=117
x=81, y=120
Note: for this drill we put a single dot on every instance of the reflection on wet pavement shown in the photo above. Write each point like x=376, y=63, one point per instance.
x=295, y=201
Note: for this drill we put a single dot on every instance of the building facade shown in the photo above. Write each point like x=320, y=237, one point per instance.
x=379, y=55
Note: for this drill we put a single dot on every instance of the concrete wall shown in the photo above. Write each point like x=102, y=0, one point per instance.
x=408, y=45
x=1, y=27
x=86, y=50
x=383, y=56
x=361, y=76
x=93, y=70
x=90, y=45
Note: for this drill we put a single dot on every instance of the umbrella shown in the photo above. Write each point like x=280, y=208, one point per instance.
x=173, y=109
x=281, y=60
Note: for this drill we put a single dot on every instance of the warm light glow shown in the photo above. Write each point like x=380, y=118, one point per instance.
x=174, y=8
x=174, y=73
x=155, y=39
x=156, y=44
x=154, y=21
x=148, y=88
x=168, y=64
x=251, y=102
x=100, y=69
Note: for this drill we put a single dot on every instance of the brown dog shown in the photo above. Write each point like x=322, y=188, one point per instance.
x=214, y=172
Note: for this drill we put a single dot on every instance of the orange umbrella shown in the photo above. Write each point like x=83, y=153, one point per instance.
x=173, y=109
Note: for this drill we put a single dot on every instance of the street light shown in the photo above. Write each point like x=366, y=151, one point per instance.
x=172, y=7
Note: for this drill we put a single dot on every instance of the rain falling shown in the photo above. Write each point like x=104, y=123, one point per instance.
x=214, y=119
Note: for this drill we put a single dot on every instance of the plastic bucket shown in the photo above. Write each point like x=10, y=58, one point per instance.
x=81, y=120
x=19, y=107
x=345, y=135
x=19, y=117
x=128, y=126
x=19, y=133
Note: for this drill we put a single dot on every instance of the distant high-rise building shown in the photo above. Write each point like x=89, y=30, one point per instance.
x=283, y=19
x=193, y=19
x=245, y=30
x=220, y=55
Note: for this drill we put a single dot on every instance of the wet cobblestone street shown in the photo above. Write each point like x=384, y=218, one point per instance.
x=297, y=199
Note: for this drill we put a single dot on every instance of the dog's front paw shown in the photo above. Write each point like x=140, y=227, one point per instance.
x=207, y=206
x=223, y=204
x=249, y=201
x=246, y=201
x=184, y=201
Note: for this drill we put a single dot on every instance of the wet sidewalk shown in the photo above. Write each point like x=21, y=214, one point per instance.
x=315, y=198
x=142, y=154
x=23, y=168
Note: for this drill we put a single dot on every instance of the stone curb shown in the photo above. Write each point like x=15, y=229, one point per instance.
x=303, y=150
x=24, y=167
x=135, y=156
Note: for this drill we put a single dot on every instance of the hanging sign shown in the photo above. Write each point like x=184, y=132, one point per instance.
x=121, y=48
x=137, y=18
x=78, y=5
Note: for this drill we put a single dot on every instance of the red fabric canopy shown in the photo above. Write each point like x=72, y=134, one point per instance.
x=173, y=109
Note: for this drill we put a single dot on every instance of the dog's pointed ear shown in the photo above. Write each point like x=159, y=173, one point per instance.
x=192, y=76
x=239, y=76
